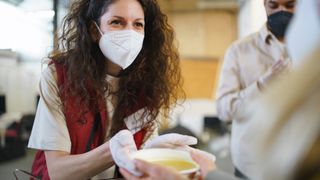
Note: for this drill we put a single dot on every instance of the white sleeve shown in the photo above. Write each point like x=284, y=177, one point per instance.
x=49, y=131
x=231, y=96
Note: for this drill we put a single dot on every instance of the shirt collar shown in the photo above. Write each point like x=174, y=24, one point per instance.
x=270, y=39
x=266, y=35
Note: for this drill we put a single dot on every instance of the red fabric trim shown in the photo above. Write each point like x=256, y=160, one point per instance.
x=39, y=167
x=139, y=136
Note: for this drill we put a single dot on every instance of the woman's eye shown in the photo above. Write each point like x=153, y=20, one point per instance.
x=116, y=22
x=138, y=24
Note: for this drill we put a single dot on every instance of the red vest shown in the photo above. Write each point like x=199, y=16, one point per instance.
x=79, y=132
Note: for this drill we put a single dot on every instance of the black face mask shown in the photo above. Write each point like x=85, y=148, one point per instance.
x=278, y=23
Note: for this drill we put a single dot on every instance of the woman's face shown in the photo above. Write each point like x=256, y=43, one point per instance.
x=123, y=15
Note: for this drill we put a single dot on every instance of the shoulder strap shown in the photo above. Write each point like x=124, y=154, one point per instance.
x=94, y=129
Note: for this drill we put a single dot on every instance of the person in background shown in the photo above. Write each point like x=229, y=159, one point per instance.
x=250, y=65
x=116, y=69
x=285, y=128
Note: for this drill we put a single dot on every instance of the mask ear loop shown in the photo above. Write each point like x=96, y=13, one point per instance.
x=98, y=28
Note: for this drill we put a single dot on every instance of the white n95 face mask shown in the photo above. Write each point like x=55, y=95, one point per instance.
x=303, y=35
x=121, y=47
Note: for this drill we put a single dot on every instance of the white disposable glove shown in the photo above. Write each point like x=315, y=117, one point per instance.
x=121, y=146
x=274, y=71
x=171, y=140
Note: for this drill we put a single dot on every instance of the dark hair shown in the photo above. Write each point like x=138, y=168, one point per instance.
x=155, y=72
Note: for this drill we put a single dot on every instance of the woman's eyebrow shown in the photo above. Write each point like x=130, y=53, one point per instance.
x=119, y=17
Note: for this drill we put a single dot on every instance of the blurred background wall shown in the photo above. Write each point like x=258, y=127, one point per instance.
x=205, y=29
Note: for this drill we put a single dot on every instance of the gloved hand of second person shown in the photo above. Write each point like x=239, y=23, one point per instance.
x=275, y=70
x=171, y=140
x=206, y=160
x=121, y=146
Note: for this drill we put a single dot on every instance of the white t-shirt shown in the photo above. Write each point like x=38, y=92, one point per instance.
x=50, y=130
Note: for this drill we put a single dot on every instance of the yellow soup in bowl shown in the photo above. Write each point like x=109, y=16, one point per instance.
x=179, y=165
x=177, y=159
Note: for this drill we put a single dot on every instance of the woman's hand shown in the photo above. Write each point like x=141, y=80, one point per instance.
x=152, y=171
x=121, y=146
x=172, y=141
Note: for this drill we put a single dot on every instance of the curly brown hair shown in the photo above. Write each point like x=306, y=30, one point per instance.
x=155, y=72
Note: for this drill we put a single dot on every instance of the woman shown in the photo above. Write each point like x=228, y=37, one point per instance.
x=116, y=68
